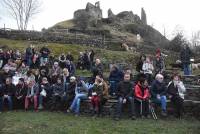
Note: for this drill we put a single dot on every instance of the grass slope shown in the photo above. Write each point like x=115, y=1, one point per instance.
x=60, y=123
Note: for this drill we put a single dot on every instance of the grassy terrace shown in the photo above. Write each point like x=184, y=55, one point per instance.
x=59, y=123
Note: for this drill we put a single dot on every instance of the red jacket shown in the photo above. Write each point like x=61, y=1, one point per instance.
x=141, y=94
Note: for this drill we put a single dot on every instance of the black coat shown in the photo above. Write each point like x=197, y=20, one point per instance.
x=124, y=89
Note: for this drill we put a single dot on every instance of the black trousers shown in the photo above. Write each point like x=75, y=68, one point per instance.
x=178, y=105
x=145, y=107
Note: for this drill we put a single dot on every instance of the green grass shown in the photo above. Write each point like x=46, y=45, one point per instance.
x=60, y=123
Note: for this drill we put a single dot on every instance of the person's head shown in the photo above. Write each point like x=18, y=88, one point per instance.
x=44, y=80
x=98, y=61
x=69, y=53
x=31, y=82
x=128, y=70
x=67, y=62
x=127, y=77
x=114, y=68
x=55, y=64
x=142, y=57
x=72, y=79
x=65, y=71
x=99, y=78
x=8, y=81
x=175, y=78
x=144, y=83
x=148, y=59
x=59, y=80
x=159, y=78
x=21, y=81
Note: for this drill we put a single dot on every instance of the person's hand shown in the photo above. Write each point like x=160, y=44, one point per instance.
x=90, y=97
x=5, y=96
x=124, y=100
x=158, y=96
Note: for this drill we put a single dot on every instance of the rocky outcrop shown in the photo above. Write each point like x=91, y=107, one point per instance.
x=143, y=16
x=91, y=11
x=110, y=14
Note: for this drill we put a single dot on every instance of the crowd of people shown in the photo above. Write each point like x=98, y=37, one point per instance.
x=34, y=78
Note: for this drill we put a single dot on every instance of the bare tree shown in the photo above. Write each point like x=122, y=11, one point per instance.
x=22, y=10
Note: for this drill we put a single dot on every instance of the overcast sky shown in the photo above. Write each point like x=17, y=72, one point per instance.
x=160, y=13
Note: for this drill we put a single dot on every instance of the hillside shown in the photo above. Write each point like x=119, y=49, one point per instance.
x=124, y=27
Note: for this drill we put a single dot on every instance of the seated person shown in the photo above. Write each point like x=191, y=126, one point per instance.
x=58, y=94
x=158, y=93
x=176, y=91
x=70, y=92
x=99, y=95
x=9, y=92
x=32, y=94
x=141, y=92
x=2, y=88
x=21, y=89
x=81, y=93
x=125, y=93
x=45, y=92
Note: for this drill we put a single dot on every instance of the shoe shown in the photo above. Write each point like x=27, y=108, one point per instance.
x=164, y=113
x=40, y=107
x=116, y=118
x=133, y=117
x=76, y=115
x=147, y=117
x=69, y=110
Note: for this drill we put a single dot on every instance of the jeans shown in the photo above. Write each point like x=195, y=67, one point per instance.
x=162, y=101
x=10, y=102
x=75, y=106
x=34, y=99
x=41, y=100
x=120, y=105
x=1, y=104
x=113, y=86
x=186, y=69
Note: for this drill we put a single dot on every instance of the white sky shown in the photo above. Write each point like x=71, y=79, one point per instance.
x=160, y=13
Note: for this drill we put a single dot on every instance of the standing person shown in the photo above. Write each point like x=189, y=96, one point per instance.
x=176, y=91
x=71, y=67
x=148, y=69
x=98, y=69
x=140, y=64
x=185, y=56
x=69, y=57
x=91, y=58
x=29, y=55
x=159, y=64
x=158, y=93
x=124, y=95
x=44, y=51
x=62, y=60
x=114, y=78
x=86, y=60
